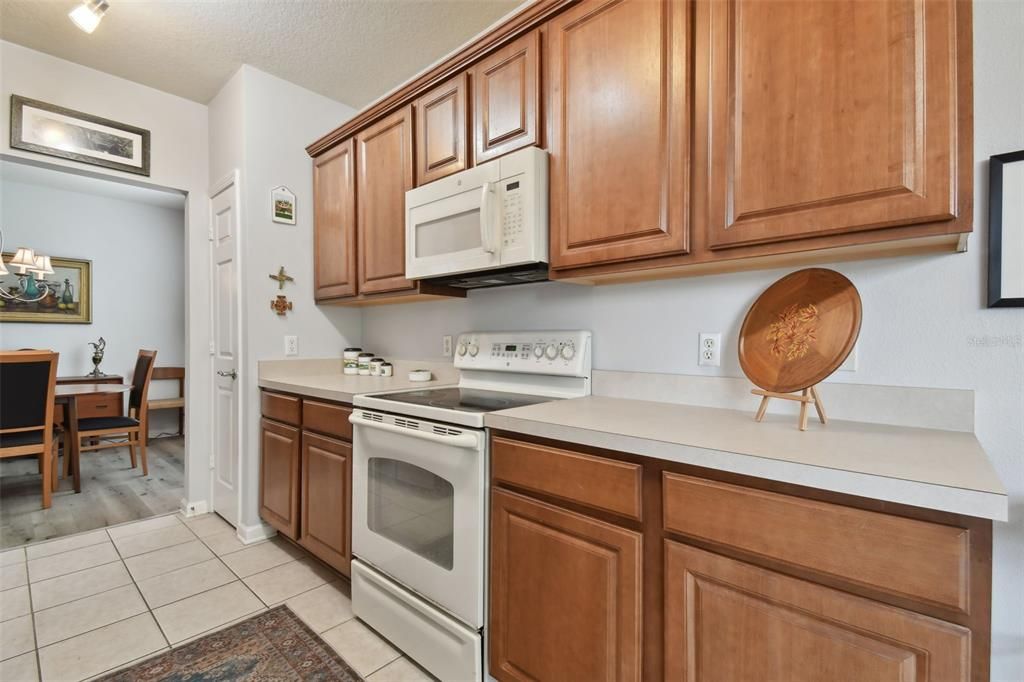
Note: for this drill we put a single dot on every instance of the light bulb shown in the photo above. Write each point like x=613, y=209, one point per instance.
x=87, y=15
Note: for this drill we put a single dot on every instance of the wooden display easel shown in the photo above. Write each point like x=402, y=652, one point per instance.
x=805, y=397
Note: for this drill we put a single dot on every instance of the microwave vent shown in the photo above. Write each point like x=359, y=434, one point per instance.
x=517, y=274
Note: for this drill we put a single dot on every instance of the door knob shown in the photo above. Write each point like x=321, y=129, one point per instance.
x=233, y=374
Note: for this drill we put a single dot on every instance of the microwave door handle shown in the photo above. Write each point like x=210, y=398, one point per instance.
x=462, y=440
x=486, y=198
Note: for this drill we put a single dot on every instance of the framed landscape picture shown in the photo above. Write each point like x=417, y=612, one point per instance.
x=282, y=205
x=68, y=301
x=49, y=129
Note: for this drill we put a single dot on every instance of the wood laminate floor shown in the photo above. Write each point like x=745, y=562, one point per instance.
x=112, y=493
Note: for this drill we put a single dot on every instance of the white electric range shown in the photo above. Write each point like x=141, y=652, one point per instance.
x=419, y=492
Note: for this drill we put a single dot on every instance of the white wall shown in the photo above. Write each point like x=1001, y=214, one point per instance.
x=261, y=124
x=925, y=323
x=179, y=160
x=137, y=254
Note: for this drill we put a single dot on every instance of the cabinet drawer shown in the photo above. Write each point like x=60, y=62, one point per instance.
x=282, y=408
x=592, y=481
x=102, y=405
x=897, y=555
x=326, y=418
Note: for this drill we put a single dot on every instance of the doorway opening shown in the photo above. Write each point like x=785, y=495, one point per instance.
x=119, y=259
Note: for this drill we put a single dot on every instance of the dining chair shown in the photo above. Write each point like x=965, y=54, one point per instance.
x=134, y=426
x=28, y=380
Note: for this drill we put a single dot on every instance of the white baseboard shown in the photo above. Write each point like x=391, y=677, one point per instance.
x=194, y=508
x=255, y=533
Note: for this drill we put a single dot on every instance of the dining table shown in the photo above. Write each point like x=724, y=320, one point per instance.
x=67, y=396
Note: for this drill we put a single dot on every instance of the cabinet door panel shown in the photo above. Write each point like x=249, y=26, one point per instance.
x=506, y=96
x=565, y=594
x=279, y=477
x=733, y=622
x=384, y=160
x=829, y=117
x=334, y=222
x=619, y=109
x=326, y=528
x=441, y=130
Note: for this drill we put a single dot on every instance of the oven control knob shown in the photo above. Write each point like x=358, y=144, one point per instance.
x=462, y=349
x=538, y=351
x=568, y=352
x=551, y=351
x=473, y=350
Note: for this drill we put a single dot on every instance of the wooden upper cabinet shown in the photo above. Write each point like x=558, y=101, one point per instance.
x=442, y=128
x=619, y=102
x=829, y=117
x=506, y=99
x=728, y=620
x=384, y=174
x=334, y=222
x=566, y=594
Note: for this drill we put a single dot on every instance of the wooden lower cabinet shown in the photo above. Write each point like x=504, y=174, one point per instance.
x=722, y=578
x=729, y=621
x=565, y=594
x=279, y=476
x=325, y=528
x=306, y=474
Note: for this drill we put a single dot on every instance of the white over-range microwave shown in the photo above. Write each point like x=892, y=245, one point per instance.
x=483, y=226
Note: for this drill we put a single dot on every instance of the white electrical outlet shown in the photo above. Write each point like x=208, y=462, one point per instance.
x=710, y=349
x=446, y=346
x=291, y=345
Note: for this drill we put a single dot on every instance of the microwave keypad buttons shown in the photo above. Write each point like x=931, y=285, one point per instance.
x=513, y=214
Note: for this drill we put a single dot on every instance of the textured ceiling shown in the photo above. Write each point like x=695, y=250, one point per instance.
x=352, y=51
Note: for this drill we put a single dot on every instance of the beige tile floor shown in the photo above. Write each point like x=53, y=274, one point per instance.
x=86, y=604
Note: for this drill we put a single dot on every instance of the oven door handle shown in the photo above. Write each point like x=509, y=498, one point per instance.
x=462, y=440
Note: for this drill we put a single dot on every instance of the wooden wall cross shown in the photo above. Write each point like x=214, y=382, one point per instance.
x=281, y=278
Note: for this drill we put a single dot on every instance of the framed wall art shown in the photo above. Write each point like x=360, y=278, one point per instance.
x=282, y=205
x=67, y=299
x=56, y=131
x=1006, y=230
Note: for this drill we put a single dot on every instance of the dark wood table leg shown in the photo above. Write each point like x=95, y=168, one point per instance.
x=73, y=451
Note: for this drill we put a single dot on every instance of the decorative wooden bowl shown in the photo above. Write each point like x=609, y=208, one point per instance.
x=800, y=330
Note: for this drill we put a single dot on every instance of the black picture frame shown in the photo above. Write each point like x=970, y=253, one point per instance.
x=19, y=141
x=996, y=163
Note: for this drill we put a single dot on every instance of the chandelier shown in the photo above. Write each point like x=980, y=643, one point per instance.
x=32, y=269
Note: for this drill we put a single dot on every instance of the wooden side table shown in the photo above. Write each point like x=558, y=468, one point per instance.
x=95, y=405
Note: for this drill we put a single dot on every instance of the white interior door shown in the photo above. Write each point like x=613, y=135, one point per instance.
x=225, y=286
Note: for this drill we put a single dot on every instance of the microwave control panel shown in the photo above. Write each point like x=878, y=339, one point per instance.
x=512, y=213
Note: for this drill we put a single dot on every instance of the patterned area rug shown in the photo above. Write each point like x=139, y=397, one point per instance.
x=274, y=645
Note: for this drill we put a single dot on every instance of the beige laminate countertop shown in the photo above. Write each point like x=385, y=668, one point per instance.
x=930, y=468
x=324, y=378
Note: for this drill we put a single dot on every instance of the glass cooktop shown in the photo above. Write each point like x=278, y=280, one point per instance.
x=465, y=399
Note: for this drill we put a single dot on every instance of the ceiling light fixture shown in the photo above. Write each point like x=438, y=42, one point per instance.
x=87, y=15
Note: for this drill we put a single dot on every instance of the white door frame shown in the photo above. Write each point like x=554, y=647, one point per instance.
x=232, y=179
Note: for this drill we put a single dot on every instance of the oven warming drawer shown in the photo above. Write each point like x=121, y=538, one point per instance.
x=432, y=638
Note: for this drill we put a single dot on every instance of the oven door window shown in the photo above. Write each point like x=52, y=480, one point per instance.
x=413, y=508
